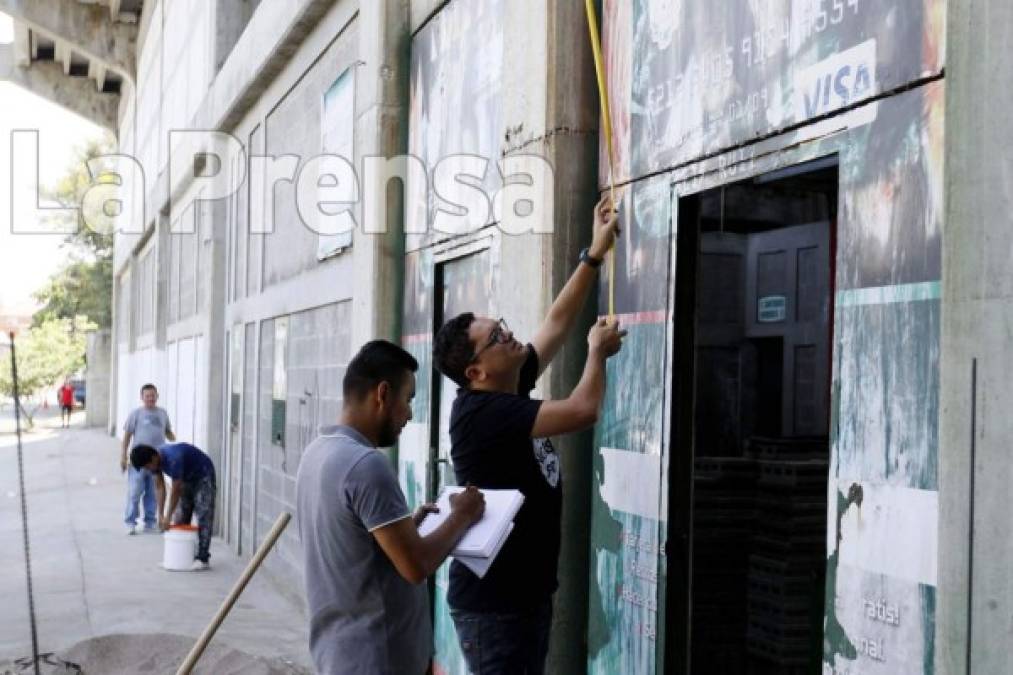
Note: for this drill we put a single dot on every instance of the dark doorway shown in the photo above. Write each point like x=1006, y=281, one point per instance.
x=750, y=450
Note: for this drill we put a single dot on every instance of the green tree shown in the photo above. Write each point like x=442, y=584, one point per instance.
x=83, y=286
x=80, y=289
x=47, y=353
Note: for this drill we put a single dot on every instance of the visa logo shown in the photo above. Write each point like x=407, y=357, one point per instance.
x=836, y=82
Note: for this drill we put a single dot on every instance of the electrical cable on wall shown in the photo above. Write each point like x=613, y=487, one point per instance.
x=606, y=120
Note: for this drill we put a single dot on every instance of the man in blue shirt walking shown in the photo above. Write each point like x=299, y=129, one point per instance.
x=193, y=489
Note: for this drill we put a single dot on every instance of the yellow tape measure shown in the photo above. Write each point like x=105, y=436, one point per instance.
x=606, y=117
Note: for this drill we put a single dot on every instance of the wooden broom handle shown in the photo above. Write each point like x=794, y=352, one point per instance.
x=237, y=589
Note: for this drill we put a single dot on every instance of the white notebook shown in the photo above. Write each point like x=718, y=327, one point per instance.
x=481, y=565
x=485, y=538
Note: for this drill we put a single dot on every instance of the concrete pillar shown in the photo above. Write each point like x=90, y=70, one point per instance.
x=97, y=378
x=975, y=597
x=550, y=104
x=212, y=226
x=381, y=130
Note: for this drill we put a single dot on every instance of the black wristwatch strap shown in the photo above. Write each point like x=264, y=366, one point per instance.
x=586, y=257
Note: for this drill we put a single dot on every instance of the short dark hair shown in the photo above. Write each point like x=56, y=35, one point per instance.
x=452, y=348
x=149, y=386
x=378, y=361
x=141, y=456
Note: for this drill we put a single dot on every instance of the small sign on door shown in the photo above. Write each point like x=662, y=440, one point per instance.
x=771, y=309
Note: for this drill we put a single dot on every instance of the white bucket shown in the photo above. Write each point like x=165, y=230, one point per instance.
x=180, y=547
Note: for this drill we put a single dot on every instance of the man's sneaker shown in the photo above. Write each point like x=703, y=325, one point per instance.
x=200, y=566
x=131, y=530
x=152, y=530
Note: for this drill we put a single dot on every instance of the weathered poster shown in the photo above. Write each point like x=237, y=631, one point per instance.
x=626, y=621
x=687, y=80
x=455, y=115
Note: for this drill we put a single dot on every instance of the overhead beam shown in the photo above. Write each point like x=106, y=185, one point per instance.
x=87, y=28
x=62, y=54
x=76, y=94
x=22, y=46
x=97, y=72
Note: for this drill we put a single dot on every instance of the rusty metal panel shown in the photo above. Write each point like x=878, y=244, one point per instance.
x=688, y=80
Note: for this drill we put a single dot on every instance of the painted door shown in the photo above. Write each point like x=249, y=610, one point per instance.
x=464, y=285
x=787, y=296
x=720, y=327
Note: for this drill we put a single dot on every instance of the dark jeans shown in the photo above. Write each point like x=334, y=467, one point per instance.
x=507, y=643
x=198, y=499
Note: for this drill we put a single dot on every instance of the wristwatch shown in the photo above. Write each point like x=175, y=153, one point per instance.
x=586, y=257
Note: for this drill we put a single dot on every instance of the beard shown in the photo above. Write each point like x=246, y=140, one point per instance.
x=389, y=432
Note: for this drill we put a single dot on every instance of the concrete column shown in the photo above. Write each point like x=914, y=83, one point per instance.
x=97, y=381
x=212, y=225
x=975, y=597
x=551, y=109
x=381, y=130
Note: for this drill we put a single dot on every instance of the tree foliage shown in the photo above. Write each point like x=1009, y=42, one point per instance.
x=83, y=286
x=47, y=353
x=80, y=289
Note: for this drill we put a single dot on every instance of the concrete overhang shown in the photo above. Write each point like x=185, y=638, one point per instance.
x=94, y=31
x=76, y=94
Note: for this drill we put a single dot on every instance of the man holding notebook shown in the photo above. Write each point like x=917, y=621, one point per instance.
x=365, y=560
x=500, y=440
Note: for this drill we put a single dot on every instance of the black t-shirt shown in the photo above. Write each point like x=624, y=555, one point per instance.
x=491, y=447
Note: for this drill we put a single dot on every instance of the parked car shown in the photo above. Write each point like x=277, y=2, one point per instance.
x=79, y=391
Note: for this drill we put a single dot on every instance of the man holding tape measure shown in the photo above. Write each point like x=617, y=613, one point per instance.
x=500, y=440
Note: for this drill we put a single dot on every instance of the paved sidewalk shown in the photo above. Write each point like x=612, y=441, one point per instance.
x=91, y=579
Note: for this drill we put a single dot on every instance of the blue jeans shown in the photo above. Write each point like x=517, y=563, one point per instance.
x=140, y=483
x=504, y=643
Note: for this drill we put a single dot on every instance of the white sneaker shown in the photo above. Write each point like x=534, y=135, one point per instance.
x=131, y=530
x=200, y=566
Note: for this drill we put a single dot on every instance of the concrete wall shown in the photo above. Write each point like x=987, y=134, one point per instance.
x=326, y=299
x=167, y=337
x=974, y=617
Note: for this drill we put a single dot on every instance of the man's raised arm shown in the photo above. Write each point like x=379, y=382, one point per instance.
x=558, y=322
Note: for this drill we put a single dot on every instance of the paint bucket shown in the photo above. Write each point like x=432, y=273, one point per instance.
x=180, y=547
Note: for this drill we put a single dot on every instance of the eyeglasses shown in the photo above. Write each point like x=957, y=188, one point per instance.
x=496, y=336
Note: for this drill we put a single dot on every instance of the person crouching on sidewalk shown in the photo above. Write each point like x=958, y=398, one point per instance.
x=193, y=490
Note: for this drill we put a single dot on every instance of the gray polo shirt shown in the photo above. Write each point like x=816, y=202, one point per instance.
x=364, y=616
x=148, y=426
